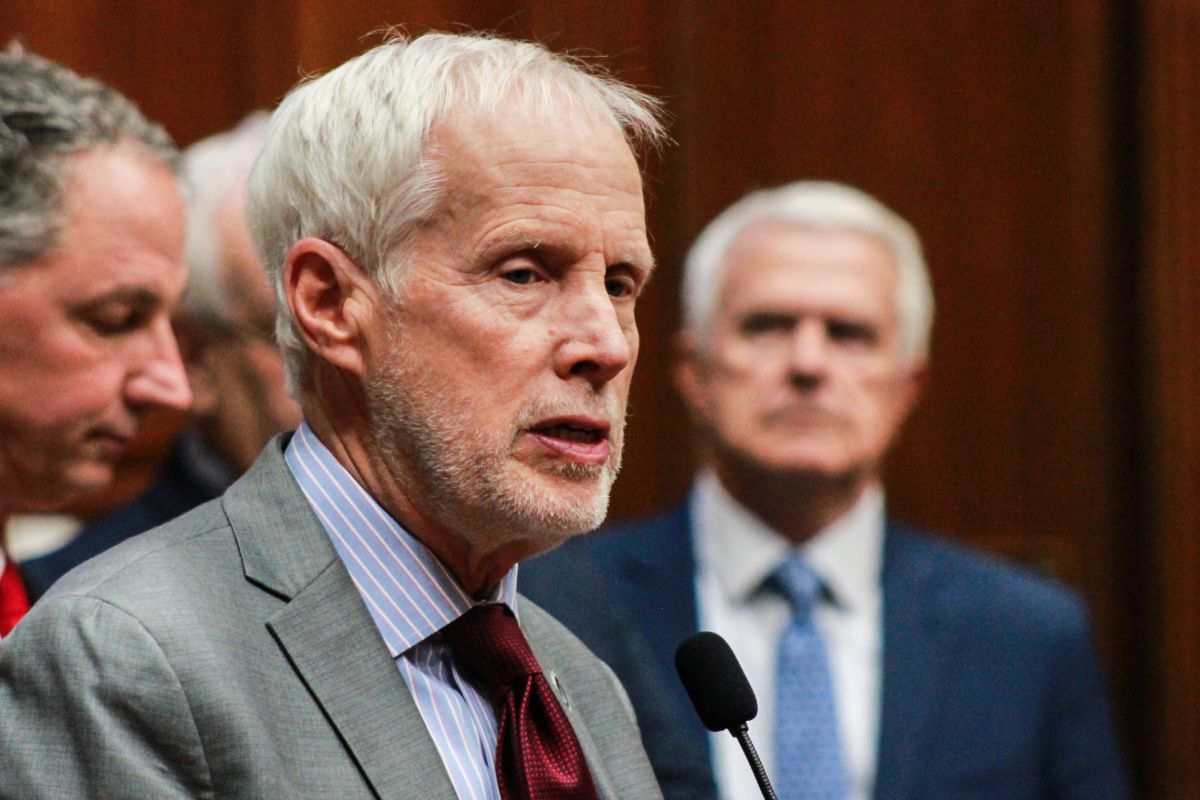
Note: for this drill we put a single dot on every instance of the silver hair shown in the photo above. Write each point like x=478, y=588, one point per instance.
x=47, y=114
x=347, y=158
x=215, y=172
x=821, y=205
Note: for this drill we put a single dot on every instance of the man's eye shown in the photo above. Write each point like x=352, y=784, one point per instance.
x=520, y=277
x=619, y=287
x=111, y=321
x=760, y=324
x=852, y=332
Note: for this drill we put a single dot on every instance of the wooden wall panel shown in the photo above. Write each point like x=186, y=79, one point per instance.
x=998, y=129
x=180, y=61
x=1170, y=292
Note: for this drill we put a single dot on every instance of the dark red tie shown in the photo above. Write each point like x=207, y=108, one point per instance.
x=538, y=756
x=13, y=600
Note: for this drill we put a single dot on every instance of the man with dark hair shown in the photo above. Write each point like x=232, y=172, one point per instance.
x=91, y=266
x=225, y=325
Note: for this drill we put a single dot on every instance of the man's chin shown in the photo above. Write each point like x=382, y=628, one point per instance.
x=556, y=505
x=86, y=478
x=811, y=463
x=55, y=490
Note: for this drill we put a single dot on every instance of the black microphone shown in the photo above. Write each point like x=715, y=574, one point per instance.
x=715, y=682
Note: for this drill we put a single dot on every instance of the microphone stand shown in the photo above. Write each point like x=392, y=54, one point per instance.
x=742, y=734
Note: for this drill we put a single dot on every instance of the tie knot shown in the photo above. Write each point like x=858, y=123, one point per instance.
x=798, y=583
x=488, y=640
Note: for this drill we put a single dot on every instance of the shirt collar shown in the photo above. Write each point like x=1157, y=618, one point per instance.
x=742, y=551
x=409, y=593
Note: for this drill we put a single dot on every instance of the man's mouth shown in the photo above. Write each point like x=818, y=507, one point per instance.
x=583, y=440
x=573, y=433
x=798, y=415
x=109, y=447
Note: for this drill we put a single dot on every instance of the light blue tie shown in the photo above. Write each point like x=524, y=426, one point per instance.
x=808, y=748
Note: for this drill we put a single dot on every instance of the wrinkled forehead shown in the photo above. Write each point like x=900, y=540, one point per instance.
x=520, y=155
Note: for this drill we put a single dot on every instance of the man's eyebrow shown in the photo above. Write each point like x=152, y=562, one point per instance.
x=525, y=240
x=643, y=263
x=519, y=237
x=134, y=295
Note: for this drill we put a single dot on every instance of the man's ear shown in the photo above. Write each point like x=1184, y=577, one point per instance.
x=916, y=384
x=691, y=380
x=332, y=299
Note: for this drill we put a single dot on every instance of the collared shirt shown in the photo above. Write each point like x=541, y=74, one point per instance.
x=411, y=596
x=735, y=553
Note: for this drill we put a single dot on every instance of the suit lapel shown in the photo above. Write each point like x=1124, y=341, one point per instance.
x=653, y=571
x=591, y=753
x=334, y=645
x=328, y=635
x=918, y=650
x=656, y=575
x=555, y=663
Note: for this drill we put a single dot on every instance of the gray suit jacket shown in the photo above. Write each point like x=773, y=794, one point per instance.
x=228, y=654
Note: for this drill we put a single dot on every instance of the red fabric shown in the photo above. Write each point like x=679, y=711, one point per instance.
x=13, y=600
x=538, y=756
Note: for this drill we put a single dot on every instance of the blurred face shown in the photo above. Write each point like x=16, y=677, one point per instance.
x=238, y=374
x=804, y=374
x=86, y=348
x=500, y=396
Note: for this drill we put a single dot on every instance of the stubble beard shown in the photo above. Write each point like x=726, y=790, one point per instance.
x=467, y=477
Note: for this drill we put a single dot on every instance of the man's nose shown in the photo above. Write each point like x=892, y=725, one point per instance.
x=808, y=354
x=594, y=343
x=159, y=379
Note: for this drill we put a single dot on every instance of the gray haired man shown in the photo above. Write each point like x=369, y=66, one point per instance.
x=889, y=664
x=91, y=265
x=225, y=324
x=455, y=226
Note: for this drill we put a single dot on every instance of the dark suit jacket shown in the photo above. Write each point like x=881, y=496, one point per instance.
x=187, y=479
x=228, y=654
x=990, y=685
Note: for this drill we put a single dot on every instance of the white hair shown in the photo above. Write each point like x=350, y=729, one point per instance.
x=346, y=158
x=820, y=205
x=216, y=172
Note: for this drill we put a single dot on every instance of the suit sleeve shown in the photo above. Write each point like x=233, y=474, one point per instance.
x=1086, y=763
x=90, y=707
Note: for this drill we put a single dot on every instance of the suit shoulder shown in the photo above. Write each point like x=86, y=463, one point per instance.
x=986, y=587
x=167, y=554
x=669, y=519
x=669, y=527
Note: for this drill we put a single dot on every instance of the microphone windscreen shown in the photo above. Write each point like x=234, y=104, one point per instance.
x=714, y=680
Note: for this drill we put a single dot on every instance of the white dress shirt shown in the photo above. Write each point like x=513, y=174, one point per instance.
x=735, y=553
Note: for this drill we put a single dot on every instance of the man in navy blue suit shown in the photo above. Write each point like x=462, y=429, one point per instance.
x=807, y=312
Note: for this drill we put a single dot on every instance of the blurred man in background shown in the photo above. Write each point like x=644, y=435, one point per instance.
x=226, y=330
x=888, y=664
x=91, y=267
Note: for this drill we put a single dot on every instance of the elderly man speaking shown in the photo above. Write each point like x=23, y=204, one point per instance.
x=456, y=231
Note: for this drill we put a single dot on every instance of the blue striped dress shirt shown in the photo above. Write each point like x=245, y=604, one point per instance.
x=411, y=596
